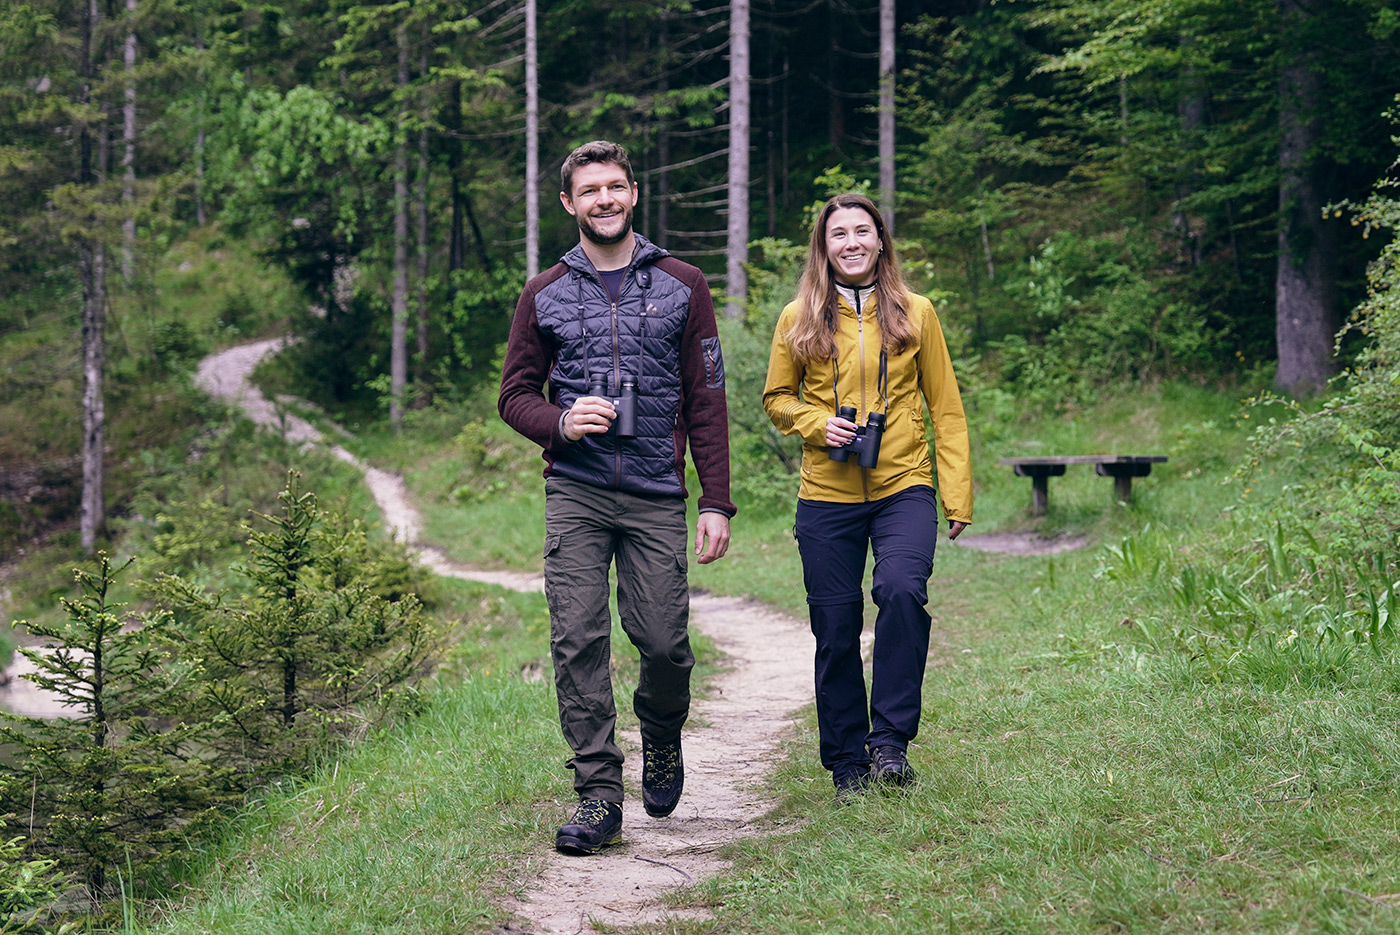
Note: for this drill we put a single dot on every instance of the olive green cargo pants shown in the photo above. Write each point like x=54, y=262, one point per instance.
x=587, y=529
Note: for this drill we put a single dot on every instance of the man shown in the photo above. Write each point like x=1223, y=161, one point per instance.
x=613, y=364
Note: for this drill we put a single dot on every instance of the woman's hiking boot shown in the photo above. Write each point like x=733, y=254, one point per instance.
x=890, y=767
x=595, y=825
x=663, y=777
x=850, y=786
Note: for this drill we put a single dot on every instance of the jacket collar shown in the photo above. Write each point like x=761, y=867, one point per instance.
x=846, y=298
x=644, y=252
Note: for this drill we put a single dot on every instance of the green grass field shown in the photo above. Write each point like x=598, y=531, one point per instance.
x=1084, y=767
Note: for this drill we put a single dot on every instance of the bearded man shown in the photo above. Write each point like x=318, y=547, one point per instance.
x=612, y=367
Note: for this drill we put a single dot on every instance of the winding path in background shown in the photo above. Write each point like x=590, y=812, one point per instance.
x=729, y=741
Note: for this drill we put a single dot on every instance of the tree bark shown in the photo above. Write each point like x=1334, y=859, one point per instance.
x=92, y=261
x=737, y=250
x=1306, y=304
x=456, y=244
x=129, y=154
x=532, y=143
x=663, y=143
x=836, y=108
x=887, y=113
x=199, y=215
x=398, y=350
x=420, y=376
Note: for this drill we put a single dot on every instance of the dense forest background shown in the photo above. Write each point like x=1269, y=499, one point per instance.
x=1094, y=190
x=1131, y=215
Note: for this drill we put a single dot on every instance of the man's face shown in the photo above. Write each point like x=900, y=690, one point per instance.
x=602, y=202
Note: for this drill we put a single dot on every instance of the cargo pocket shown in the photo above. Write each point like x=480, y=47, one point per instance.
x=555, y=595
x=679, y=596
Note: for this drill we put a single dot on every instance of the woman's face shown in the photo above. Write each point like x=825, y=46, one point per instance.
x=852, y=245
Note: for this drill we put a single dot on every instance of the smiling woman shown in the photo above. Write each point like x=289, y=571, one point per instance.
x=852, y=246
x=854, y=359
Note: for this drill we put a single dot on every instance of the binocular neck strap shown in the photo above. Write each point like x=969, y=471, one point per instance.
x=583, y=328
x=882, y=386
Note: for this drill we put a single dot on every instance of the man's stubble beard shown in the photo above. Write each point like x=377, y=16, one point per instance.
x=586, y=228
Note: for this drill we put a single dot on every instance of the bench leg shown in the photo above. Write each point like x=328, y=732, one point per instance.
x=1123, y=488
x=1040, y=494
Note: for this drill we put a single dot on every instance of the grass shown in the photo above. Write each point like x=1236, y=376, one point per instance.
x=1083, y=768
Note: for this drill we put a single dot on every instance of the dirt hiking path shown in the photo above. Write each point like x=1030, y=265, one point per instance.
x=728, y=742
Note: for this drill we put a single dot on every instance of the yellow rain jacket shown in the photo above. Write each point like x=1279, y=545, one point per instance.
x=799, y=399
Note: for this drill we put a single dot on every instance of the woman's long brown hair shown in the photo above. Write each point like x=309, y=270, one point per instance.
x=812, y=336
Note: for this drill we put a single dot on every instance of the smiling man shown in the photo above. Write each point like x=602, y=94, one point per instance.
x=612, y=367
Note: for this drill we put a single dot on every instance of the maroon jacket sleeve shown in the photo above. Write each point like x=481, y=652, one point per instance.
x=524, y=373
x=704, y=410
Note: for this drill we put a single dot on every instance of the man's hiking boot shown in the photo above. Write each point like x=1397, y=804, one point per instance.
x=850, y=786
x=595, y=825
x=890, y=767
x=663, y=777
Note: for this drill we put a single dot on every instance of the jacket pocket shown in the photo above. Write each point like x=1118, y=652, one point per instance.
x=714, y=363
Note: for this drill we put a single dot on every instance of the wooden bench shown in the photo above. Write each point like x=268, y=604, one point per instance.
x=1122, y=468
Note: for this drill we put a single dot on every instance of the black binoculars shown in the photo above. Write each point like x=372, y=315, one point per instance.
x=866, y=445
x=624, y=401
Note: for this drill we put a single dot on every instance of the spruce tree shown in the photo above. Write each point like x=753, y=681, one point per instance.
x=123, y=776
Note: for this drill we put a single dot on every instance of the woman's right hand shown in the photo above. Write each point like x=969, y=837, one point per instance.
x=839, y=431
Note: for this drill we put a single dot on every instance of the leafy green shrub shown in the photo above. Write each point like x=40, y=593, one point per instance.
x=237, y=311
x=175, y=346
x=1093, y=312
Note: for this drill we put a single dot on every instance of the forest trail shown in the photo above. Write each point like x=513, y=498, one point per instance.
x=729, y=742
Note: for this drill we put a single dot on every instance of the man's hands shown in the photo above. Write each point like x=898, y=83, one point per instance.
x=593, y=415
x=955, y=528
x=711, y=536
x=589, y=415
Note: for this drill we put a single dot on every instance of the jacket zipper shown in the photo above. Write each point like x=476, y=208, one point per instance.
x=617, y=380
x=860, y=345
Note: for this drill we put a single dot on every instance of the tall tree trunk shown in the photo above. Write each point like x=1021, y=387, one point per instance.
x=663, y=142
x=737, y=250
x=129, y=153
x=398, y=349
x=93, y=263
x=420, y=375
x=1191, y=112
x=786, y=133
x=200, y=217
x=770, y=137
x=836, y=107
x=532, y=143
x=456, y=245
x=887, y=113
x=1306, y=304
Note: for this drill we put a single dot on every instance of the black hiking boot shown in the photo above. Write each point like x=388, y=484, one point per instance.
x=595, y=825
x=890, y=767
x=663, y=777
x=850, y=786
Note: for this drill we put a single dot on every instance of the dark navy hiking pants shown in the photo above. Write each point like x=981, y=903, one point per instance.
x=901, y=531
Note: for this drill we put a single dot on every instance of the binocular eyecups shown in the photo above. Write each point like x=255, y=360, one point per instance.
x=624, y=401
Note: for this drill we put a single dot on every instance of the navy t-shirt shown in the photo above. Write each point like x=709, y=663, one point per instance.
x=612, y=280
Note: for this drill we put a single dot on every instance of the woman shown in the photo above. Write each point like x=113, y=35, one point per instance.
x=857, y=337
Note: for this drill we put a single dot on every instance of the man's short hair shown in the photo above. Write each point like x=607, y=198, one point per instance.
x=596, y=151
